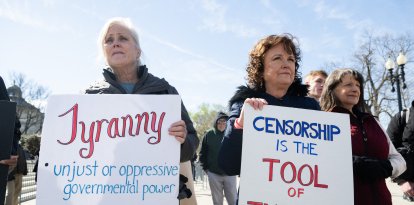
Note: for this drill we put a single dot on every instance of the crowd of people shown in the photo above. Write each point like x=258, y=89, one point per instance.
x=273, y=78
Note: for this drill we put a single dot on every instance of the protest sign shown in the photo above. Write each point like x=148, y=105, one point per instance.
x=109, y=149
x=7, y=120
x=294, y=156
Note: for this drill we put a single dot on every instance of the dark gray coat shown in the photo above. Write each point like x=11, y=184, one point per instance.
x=149, y=84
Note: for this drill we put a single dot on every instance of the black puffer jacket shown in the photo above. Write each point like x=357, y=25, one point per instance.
x=231, y=149
x=149, y=84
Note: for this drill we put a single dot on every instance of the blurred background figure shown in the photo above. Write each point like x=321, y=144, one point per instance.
x=219, y=182
x=15, y=179
x=315, y=80
x=401, y=131
x=12, y=161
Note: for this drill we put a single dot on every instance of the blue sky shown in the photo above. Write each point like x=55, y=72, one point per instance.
x=200, y=46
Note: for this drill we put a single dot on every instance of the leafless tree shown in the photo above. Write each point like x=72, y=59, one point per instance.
x=30, y=98
x=204, y=118
x=370, y=60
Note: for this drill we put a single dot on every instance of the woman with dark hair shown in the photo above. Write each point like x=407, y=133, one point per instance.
x=273, y=79
x=374, y=157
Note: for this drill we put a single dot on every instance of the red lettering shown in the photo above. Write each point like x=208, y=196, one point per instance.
x=324, y=186
x=111, y=124
x=139, y=118
x=89, y=140
x=296, y=175
x=74, y=109
x=271, y=162
x=310, y=175
x=98, y=131
x=282, y=172
x=158, y=130
x=124, y=119
x=112, y=129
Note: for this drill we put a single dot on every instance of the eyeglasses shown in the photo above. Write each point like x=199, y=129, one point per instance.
x=221, y=121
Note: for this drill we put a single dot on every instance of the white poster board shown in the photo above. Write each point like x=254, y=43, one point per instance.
x=109, y=149
x=294, y=156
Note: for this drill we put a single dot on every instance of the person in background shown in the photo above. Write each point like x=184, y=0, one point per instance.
x=12, y=161
x=126, y=74
x=273, y=79
x=13, y=158
x=374, y=156
x=15, y=179
x=193, y=165
x=36, y=163
x=315, y=80
x=401, y=131
x=218, y=180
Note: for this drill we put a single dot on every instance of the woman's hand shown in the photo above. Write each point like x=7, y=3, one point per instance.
x=178, y=130
x=256, y=103
x=10, y=162
x=407, y=188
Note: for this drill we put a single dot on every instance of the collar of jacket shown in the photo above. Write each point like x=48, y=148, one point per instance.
x=146, y=84
x=358, y=113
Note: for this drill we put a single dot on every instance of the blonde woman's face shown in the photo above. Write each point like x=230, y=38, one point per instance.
x=120, y=49
x=279, y=68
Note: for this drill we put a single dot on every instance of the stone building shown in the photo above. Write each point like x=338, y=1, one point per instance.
x=30, y=116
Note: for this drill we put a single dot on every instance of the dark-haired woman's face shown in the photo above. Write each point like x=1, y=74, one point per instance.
x=279, y=68
x=348, y=91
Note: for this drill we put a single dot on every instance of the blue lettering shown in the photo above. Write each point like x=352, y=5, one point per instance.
x=255, y=121
x=269, y=125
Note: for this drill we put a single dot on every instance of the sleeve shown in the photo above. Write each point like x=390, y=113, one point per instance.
x=397, y=161
x=17, y=136
x=395, y=130
x=229, y=158
x=190, y=145
x=204, y=152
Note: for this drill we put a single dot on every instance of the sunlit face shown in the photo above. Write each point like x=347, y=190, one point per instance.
x=316, y=84
x=221, y=124
x=120, y=49
x=348, y=91
x=279, y=68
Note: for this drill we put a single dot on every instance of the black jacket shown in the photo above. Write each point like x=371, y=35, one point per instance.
x=17, y=134
x=402, y=136
x=231, y=149
x=149, y=84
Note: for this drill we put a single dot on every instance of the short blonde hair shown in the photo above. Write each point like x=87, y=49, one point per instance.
x=314, y=73
x=121, y=21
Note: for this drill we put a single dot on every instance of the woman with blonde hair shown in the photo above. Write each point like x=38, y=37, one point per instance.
x=126, y=75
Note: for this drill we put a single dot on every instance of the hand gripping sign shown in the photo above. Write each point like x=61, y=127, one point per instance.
x=295, y=156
